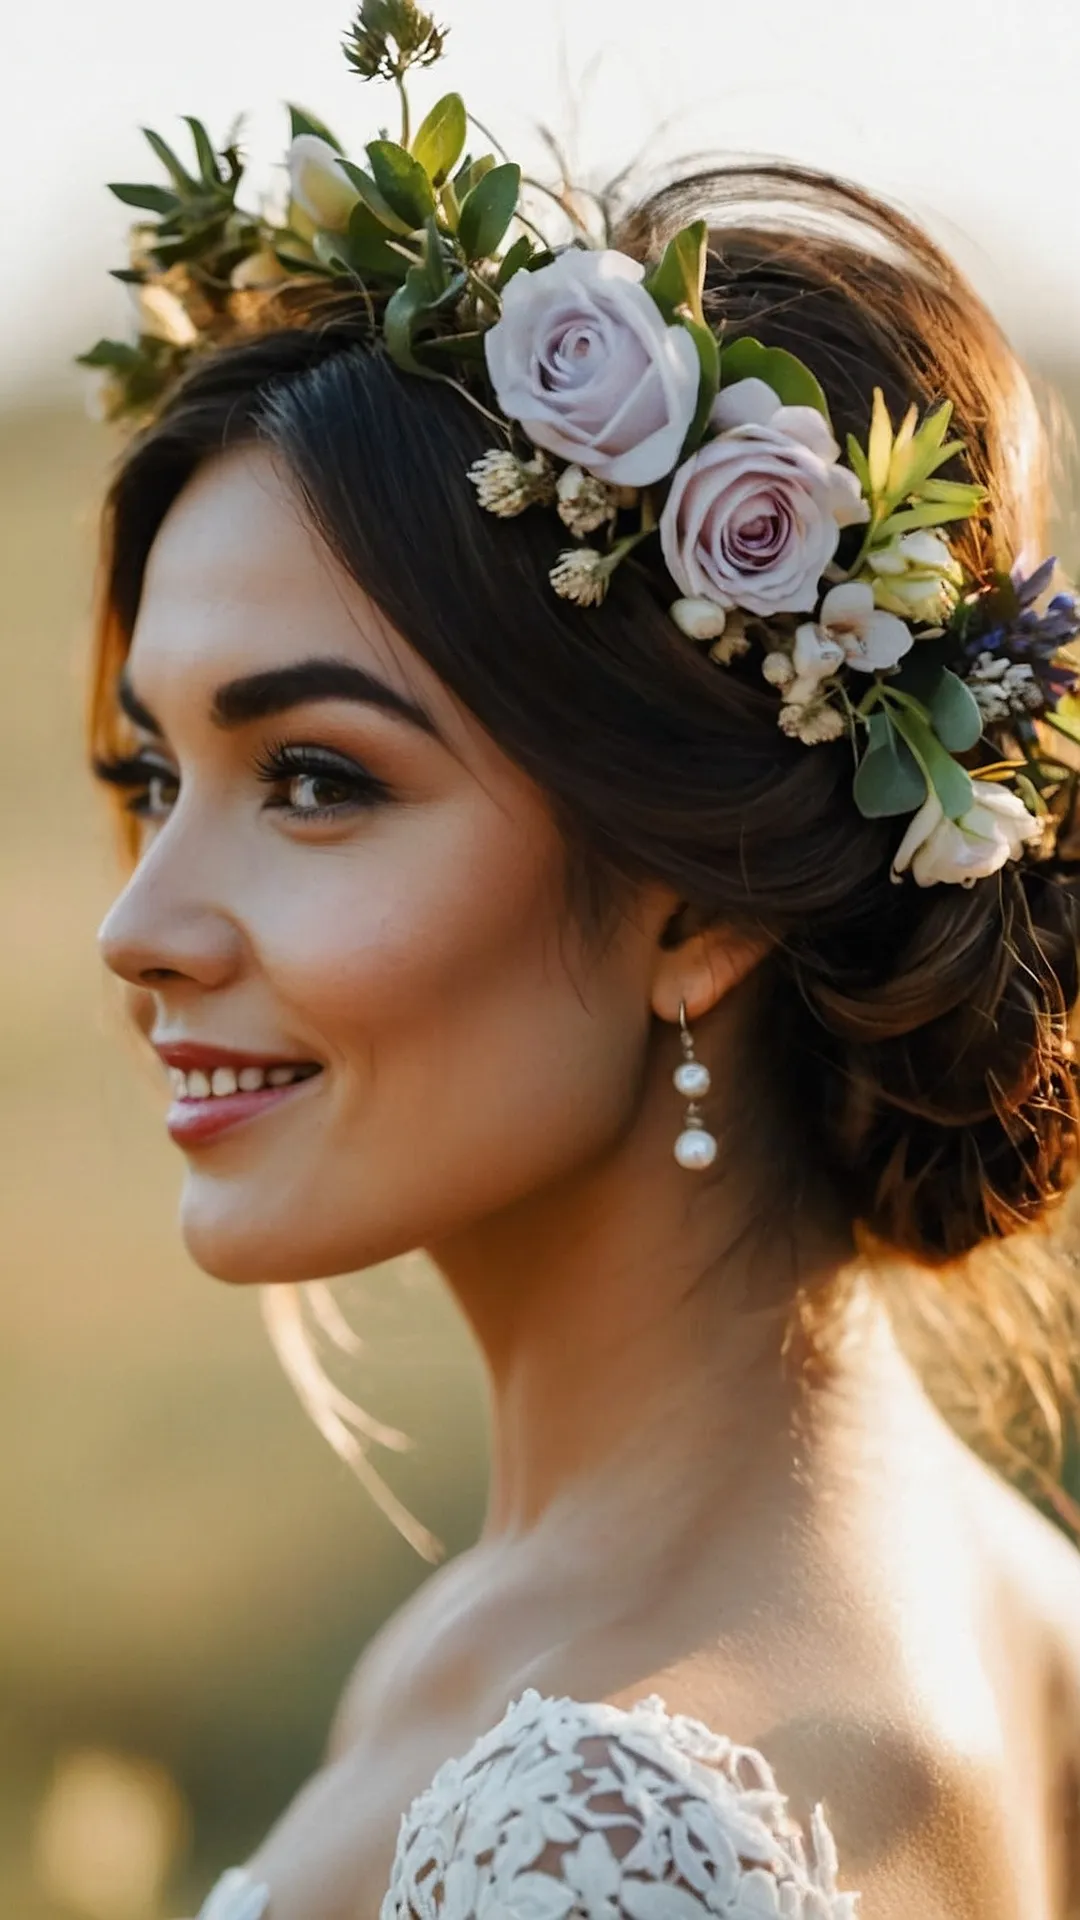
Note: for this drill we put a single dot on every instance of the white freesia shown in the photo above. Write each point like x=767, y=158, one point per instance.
x=872, y=641
x=814, y=657
x=753, y=518
x=916, y=575
x=995, y=829
x=321, y=193
x=583, y=358
x=161, y=314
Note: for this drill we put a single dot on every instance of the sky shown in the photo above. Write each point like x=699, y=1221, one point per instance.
x=964, y=114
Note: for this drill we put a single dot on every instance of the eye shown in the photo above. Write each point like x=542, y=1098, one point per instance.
x=317, y=783
x=151, y=787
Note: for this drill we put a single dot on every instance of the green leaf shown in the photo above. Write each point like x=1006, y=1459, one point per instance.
x=677, y=282
x=950, y=781
x=953, y=490
x=376, y=202
x=404, y=311
x=513, y=260
x=471, y=172
x=488, y=210
x=438, y=270
x=402, y=182
x=302, y=122
x=930, y=514
x=440, y=138
x=791, y=381
x=116, y=354
x=294, y=262
x=1064, y=721
x=889, y=780
x=369, y=249
x=858, y=463
x=708, y=351
x=153, y=199
x=211, y=172
x=954, y=713
x=176, y=171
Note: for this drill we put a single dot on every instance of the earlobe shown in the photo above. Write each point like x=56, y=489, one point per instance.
x=704, y=969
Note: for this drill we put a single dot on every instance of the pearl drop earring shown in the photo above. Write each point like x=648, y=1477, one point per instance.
x=695, y=1147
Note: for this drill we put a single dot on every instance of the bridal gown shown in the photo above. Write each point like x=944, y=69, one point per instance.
x=575, y=1810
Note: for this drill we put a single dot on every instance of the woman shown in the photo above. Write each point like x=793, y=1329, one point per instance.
x=448, y=857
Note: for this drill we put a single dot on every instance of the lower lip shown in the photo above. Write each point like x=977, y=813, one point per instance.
x=192, y=1121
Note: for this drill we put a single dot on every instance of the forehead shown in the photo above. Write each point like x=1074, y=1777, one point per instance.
x=237, y=581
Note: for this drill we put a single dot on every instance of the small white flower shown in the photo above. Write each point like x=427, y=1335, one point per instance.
x=321, y=194
x=581, y=574
x=584, y=502
x=813, y=725
x=815, y=657
x=872, y=640
x=506, y=485
x=161, y=314
x=915, y=576
x=778, y=670
x=699, y=619
x=995, y=829
x=1002, y=687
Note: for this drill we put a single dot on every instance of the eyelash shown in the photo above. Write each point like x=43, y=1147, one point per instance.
x=280, y=762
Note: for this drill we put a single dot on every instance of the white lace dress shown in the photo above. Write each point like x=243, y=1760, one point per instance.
x=574, y=1810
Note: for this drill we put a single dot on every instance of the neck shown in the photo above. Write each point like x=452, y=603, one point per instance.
x=634, y=1324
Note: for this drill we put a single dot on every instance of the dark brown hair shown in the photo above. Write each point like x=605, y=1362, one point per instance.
x=916, y=1039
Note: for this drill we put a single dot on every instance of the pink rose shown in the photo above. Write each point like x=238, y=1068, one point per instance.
x=585, y=360
x=754, y=518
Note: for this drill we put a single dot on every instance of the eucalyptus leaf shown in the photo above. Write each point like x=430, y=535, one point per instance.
x=152, y=199
x=791, y=381
x=302, y=122
x=488, y=210
x=402, y=182
x=516, y=257
x=950, y=781
x=889, y=780
x=369, y=249
x=954, y=713
x=440, y=139
x=375, y=201
x=677, y=282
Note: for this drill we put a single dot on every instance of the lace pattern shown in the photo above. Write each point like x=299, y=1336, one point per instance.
x=573, y=1810
x=236, y=1897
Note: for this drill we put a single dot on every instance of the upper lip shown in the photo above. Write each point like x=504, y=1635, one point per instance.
x=189, y=1054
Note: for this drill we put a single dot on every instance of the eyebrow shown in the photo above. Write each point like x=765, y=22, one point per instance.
x=259, y=696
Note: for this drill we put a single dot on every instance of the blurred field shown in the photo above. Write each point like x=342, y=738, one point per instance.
x=188, y=1572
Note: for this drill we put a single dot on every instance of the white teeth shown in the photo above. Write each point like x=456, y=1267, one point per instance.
x=224, y=1081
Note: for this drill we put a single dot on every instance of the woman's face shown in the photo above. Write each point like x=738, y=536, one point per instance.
x=340, y=870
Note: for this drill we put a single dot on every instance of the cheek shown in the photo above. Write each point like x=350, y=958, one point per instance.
x=477, y=1049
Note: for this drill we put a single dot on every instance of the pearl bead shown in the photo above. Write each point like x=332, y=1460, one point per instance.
x=695, y=1149
x=692, y=1079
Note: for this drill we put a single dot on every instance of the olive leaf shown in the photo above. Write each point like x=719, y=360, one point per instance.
x=402, y=182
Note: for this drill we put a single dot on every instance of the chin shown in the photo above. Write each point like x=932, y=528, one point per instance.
x=234, y=1237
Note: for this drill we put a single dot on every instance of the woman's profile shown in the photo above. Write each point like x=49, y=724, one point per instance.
x=584, y=710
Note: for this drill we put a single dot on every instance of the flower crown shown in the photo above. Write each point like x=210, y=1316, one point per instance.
x=625, y=413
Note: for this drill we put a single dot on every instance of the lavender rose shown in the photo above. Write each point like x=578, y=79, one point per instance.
x=753, y=518
x=585, y=360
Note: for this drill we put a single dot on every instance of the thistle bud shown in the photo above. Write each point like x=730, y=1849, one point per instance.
x=584, y=502
x=581, y=575
x=506, y=485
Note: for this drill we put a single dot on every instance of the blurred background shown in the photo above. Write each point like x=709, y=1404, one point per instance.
x=189, y=1573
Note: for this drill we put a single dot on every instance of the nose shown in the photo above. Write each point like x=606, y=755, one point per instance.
x=157, y=932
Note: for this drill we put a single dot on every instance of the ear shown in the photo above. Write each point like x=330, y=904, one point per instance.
x=703, y=969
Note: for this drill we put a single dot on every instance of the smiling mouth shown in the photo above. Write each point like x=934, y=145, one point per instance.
x=211, y=1101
